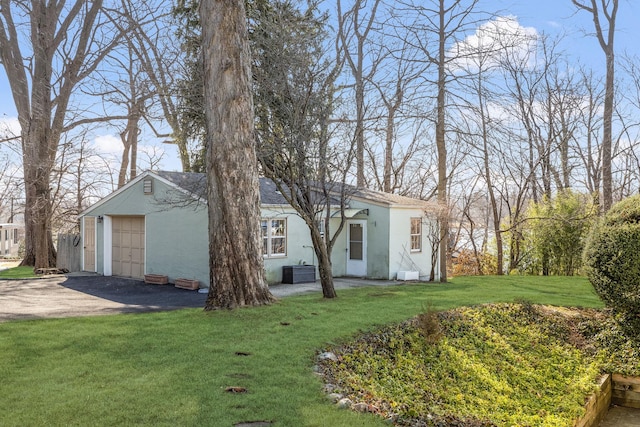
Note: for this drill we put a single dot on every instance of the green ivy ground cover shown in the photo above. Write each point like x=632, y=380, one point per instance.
x=494, y=365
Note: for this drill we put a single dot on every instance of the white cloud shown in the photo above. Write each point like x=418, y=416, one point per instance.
x=107, y=144
x=499, y=39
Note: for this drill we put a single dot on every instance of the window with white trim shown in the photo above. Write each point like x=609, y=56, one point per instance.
x=274, y=237
x=416, y=234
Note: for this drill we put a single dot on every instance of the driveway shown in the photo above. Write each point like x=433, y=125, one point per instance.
x=89, y=295
x=81, y=294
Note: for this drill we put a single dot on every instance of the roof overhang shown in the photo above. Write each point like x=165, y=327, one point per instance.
x=351, y=212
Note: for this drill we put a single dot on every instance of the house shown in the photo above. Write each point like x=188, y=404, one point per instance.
x=11, y=235
x=157, y=224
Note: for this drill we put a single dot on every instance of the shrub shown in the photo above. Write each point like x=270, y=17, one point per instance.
x=556, y=233
x=612, y=258
x=467, y=263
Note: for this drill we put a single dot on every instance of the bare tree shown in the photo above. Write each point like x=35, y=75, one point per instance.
x=127, y=88
x=152, y=38
x=354, y=27
x=485, y=134
x=435, y=27
x=236, y=266
x=604, y=14
x=396, y=81
x=295, y=87
x=630, y=151
x=80, y=177
x=69, y=40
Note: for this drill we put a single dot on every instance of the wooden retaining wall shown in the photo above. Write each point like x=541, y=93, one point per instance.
x=614, y=389
x=597, y=405
x=626, y=391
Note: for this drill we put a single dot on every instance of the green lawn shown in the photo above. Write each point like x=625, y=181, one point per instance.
x=172, y=368
x=17, y=273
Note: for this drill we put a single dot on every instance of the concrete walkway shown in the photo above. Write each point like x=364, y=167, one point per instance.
x=621, y=417
x=284, y=290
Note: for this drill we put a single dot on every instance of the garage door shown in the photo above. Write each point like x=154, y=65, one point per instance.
x=128, y=246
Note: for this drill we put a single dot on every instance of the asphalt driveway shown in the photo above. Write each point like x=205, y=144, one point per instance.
x=82, y=295
x=85, y=294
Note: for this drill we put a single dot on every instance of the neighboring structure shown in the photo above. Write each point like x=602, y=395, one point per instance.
x=11, y=235
x=157, y=224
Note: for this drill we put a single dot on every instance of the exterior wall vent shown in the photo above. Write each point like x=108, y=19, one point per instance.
x=147, y=186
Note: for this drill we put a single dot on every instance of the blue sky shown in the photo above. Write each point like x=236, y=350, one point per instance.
x=549, y=16
x=560, y=16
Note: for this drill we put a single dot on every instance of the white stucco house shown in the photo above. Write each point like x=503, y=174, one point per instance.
x=157, y=224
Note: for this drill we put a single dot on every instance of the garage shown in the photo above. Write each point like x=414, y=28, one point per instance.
x=128, y=246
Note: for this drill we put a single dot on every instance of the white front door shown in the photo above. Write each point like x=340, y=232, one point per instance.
x=357, y=248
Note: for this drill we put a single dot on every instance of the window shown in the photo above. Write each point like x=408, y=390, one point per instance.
x=274, y=237
x=416, y=234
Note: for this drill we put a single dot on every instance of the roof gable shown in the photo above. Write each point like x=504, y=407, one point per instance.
x=192, y=183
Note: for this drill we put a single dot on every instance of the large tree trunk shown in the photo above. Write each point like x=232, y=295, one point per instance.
x=38, y=157
x=607, y=178
x=39, y=249
x=235, y=246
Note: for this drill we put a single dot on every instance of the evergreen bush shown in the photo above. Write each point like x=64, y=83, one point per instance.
x=612, y=258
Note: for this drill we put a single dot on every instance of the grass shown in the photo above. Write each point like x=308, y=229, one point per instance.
x=17, y=273
x=172, y=368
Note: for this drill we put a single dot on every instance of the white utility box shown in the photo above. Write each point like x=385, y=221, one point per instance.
x=408, y=275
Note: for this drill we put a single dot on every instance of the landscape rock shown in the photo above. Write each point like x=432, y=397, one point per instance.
x=327, y=355
x=360, y=407
x=329, y=388
x=344, y=403
x=335, y=397
x=364, y=407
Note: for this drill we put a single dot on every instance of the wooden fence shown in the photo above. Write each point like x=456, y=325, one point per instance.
x=69, y=252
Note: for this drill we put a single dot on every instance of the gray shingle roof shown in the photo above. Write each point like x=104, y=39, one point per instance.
x=196, y=183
